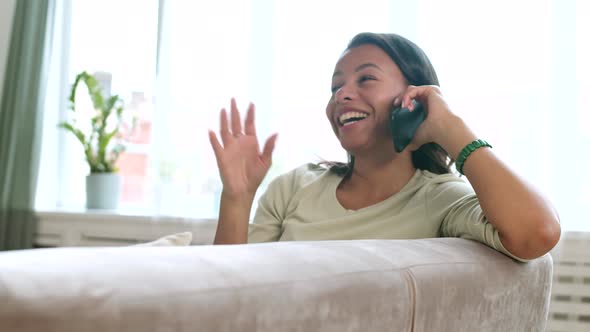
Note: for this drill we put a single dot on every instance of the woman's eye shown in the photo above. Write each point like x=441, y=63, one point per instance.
x=335, y=88
x=365, y=78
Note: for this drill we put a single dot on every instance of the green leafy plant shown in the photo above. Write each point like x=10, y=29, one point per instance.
x=100, y=152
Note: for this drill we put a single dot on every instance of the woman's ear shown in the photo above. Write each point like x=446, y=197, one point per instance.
x=411, y=148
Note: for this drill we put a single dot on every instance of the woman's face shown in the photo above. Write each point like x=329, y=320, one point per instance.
x=364, y=85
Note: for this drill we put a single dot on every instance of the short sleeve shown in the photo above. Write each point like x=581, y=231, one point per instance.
x=271, y=211
x=455, y=205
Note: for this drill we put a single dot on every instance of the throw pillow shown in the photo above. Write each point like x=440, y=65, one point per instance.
x=178, y=239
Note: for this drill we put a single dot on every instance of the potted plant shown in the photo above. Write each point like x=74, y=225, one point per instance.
x=101, y=139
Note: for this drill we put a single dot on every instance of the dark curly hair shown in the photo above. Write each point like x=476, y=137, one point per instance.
x=417, y=70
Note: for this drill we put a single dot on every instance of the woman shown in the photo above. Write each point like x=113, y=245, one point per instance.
x=381, y=193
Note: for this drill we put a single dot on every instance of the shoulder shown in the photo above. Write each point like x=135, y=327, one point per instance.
x=447, y=195
x=300, y=176
x=439, y=178
x=310, y=172
x=445, y=186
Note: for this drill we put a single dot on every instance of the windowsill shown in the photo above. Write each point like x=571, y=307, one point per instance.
x=125, y=213
x=80, y=227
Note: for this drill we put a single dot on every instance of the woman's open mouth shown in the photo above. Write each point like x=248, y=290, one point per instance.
x=350, y=118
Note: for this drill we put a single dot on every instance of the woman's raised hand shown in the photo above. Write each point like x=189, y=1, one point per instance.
x=242, y=166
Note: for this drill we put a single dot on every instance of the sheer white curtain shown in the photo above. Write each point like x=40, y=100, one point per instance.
x=517, y=72
x=513, y=70
x=118, y=37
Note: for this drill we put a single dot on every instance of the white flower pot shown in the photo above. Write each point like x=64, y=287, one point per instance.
x=103, y=191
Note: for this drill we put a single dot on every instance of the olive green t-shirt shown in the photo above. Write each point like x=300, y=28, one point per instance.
x=301, y=205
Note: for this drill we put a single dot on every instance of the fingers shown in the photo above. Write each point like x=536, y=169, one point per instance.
x=236, y=125
x=217, y=148
x=250, y=128
x=417, y=92
x=410, y=94
x=224, y=128
x=398, y=100
x=269, y=146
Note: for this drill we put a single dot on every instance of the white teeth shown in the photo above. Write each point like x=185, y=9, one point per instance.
x=349, y=115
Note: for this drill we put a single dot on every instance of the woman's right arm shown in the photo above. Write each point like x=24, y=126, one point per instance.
x=242, y=168
x=234, y=212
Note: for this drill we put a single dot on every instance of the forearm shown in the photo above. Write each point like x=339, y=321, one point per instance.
x=527, y=223
x=234, y=214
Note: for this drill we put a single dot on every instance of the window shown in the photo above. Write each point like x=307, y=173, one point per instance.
x=177, y=63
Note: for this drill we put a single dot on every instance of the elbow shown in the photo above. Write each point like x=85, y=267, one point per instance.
x=550, y=235
x=546, y=239
x=537, y=242
x=552, y=230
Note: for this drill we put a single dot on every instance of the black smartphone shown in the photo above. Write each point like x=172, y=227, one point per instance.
x=403, y=124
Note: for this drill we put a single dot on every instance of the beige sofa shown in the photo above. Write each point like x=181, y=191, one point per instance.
x=370, y=285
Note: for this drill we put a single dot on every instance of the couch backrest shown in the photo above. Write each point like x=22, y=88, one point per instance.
x=440, y=284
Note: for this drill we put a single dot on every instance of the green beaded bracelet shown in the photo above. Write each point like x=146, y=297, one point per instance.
x=479, y=143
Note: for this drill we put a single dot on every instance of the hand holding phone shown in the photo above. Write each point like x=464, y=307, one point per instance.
x=403, y=124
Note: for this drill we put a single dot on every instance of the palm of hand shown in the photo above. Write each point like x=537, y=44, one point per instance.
x=242, y=166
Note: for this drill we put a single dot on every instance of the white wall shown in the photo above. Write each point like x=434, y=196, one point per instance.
x=6, y=14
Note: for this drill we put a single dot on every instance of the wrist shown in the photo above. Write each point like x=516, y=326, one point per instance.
x=467, y=151
x=240, y=199
x=455, y=135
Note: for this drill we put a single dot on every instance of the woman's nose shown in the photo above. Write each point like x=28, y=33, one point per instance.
x=343, y=94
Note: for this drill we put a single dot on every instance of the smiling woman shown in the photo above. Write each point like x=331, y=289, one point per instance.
x=384, y=194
